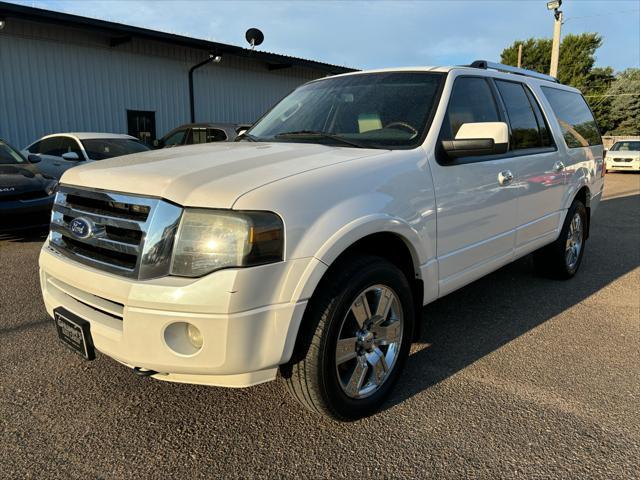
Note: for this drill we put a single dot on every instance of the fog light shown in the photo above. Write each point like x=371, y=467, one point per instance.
x=194, y=336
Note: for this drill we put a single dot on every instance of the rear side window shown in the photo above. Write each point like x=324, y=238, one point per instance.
x=578, y=126
x=197, y=135
x=471, y=102
x=528, y=129
x=206, y=135
x=215, y=135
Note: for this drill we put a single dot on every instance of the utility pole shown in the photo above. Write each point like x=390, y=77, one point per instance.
x=520, y=56
x=557, y=26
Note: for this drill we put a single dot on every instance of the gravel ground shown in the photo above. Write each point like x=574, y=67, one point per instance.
x=516, y=377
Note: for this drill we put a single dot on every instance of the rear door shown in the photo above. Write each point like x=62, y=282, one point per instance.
x=580, y=143
x=541, y=176
x=476, y=213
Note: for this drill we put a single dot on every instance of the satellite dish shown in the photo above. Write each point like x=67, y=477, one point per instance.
x=254, y=36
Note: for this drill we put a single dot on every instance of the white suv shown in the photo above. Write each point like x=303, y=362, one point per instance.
x=309, y=246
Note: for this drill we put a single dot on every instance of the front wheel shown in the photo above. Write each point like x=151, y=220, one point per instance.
x=359, y=326
x=562, y=258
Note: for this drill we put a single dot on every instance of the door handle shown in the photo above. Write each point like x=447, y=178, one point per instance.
x=505, y=178
x=558, y=167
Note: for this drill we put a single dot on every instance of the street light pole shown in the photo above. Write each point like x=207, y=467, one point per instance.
x=520, y=56
x=557, y=26
x=555, y=49
x=212, y=58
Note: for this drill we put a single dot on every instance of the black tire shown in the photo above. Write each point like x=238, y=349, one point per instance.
x=551, y=261
x=312, y=374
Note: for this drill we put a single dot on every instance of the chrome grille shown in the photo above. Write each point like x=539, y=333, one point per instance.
x=128, y=235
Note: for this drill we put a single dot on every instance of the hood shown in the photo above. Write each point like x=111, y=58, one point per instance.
x=209, y=175
x=21, y=178
x=623, y=154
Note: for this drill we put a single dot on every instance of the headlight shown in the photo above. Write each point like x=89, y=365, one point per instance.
x=209, y=240
x=51, y=187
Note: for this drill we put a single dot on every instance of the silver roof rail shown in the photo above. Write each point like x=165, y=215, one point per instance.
x=509, y=69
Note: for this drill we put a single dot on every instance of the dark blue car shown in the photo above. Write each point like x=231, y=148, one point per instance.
x=26, y=195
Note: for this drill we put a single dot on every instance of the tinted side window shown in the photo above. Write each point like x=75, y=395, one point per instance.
x=215, y=135
x=545, y=132
x=35, y=148
x=471, y=101
x=176, y=138
x=51, y=146
x=525, y=124
x=197, y=135
x=579, y=128
x=70, y=145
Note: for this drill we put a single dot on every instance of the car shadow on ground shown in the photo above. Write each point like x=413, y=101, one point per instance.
x=470, y=323
x=28, y=234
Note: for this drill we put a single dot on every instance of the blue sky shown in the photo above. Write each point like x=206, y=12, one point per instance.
x=375, y=34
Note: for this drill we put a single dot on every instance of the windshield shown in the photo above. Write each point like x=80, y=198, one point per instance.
x=626, y=147
x=102, y=148
x=8, y=156
x=373, y=110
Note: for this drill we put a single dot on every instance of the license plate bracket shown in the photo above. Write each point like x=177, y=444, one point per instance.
x=74, y=332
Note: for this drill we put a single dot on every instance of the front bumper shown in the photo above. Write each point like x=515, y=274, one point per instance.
x=20, y=214
x=613, y=165
x=247, y=317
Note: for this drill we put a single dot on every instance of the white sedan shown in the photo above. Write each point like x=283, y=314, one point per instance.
x=61, y=151
x=624, y=155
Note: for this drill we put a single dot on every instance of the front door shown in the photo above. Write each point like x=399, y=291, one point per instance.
x=142, y=125
x=476, y=207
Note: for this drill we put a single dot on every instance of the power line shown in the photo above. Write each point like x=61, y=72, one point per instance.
x=603, y=15
x=612, y=94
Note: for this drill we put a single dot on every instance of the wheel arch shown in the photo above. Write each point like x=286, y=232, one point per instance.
x=387, y=244
x=584, y=195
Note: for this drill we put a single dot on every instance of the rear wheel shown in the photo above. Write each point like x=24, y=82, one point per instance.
x=358, y=332
x=562, y=258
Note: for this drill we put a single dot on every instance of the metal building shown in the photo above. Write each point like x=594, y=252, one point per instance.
x=61, y=72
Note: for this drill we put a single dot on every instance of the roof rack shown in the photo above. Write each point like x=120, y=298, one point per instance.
x=509, y=69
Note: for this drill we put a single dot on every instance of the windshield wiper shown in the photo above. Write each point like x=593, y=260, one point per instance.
x=317, y=134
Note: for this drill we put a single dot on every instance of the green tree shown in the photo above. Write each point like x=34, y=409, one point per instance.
x=597, y=92
x=577, y=56
x=536, y=54
x=624, y=95
x=575, y=68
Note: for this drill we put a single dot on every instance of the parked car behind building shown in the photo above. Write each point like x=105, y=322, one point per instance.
x=61, y=151
x=26, y=195
x=624, y=155
x=193, y=133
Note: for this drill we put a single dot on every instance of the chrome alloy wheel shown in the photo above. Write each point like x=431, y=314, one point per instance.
x=369, y=341
x=574, y=241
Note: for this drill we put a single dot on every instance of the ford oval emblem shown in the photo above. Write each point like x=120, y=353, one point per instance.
x=81, y=227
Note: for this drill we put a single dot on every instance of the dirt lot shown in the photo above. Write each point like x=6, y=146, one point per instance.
x=516, y=376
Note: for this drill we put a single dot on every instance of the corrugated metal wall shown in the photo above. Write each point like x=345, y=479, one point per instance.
x=55, y=79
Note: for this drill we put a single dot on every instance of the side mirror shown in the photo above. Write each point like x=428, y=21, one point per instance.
x=71, y=156
x=473, y=139
x=157, y=143
x=34, y=158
